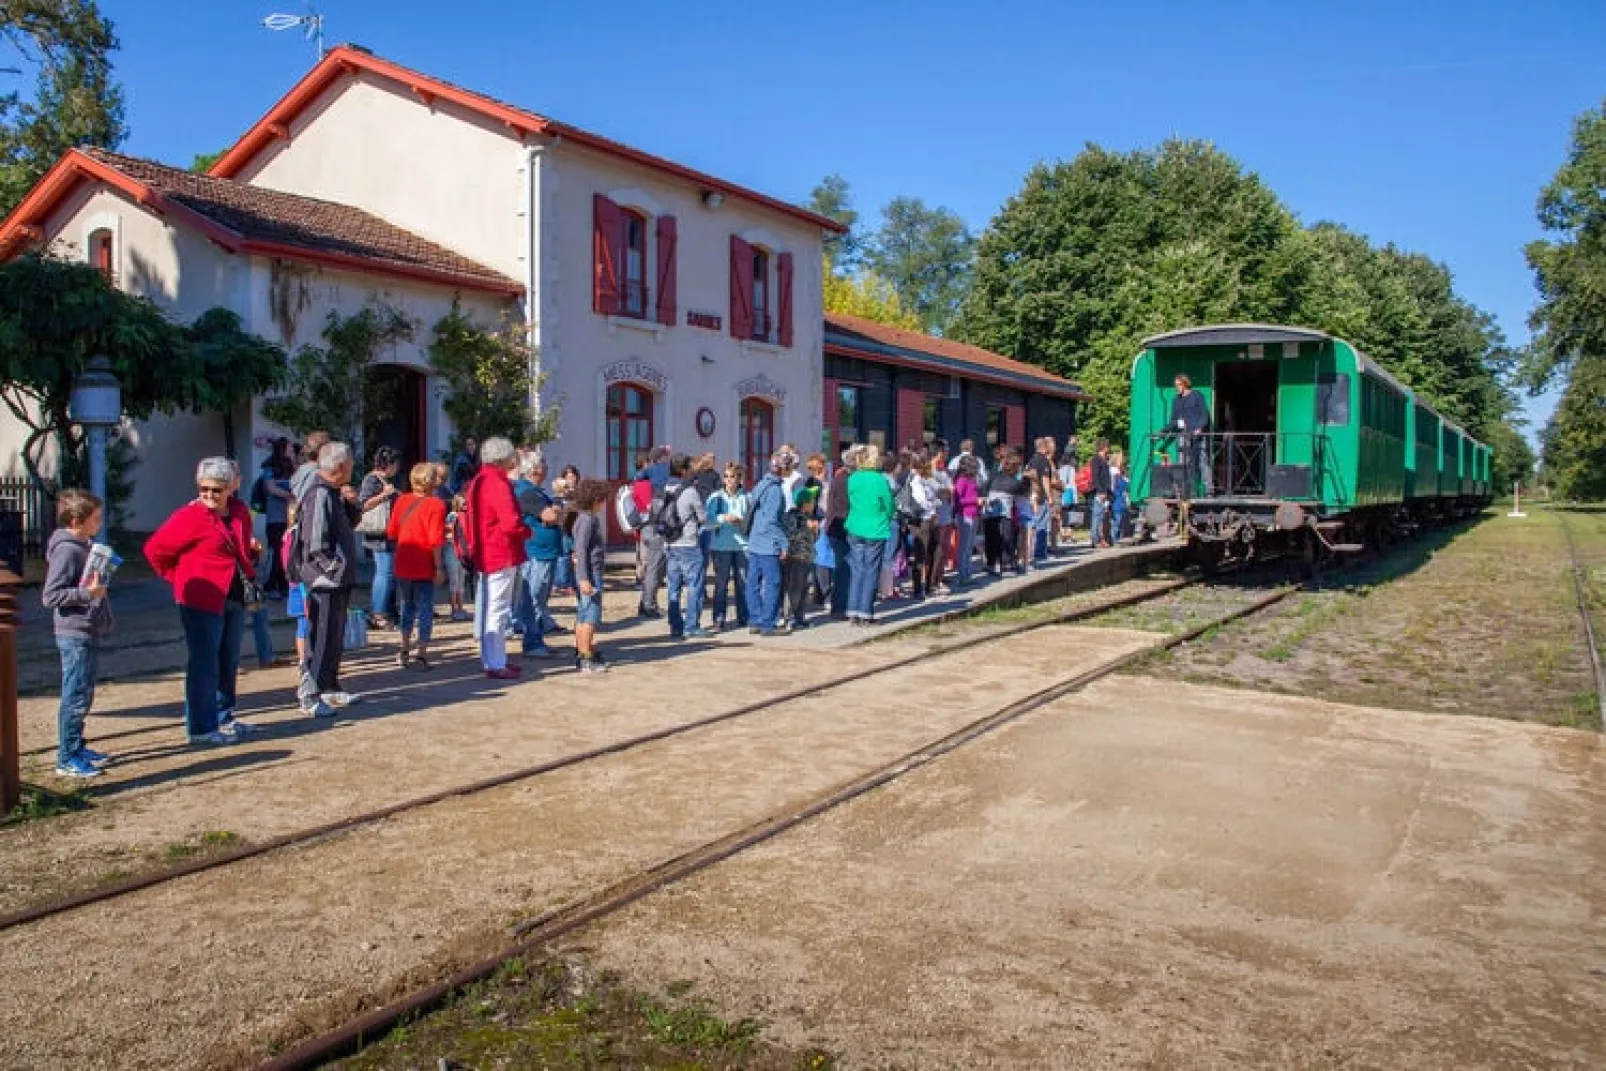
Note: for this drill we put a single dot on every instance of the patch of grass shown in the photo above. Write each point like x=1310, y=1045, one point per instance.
x=558, y=1015
x=39, y=803
x=208, y=843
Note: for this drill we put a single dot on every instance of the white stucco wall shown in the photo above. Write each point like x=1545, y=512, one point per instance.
x=439, y=171
x=689, y=368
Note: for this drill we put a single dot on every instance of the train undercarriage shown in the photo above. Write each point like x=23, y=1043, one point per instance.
x=1225, y=531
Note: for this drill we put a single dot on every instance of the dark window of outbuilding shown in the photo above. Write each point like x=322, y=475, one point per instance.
x=1332, y=398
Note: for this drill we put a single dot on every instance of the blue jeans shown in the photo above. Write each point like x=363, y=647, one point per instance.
x=967, y=547
x=865, y=573
x=214, y=663
x=261, y=638
x=384, y=582
x=1117, y=519
x=730, y=566
x=417, y=599
x=763, y=590
x=686, y=568
x=1101, y=513
x=1040, y=527
x=841, y=574
x=536, y=579
x=78, y=657
x=563, y=577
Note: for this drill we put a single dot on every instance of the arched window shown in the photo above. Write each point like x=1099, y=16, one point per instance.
x=629, y=416
x=103, y=254
x=758, y=437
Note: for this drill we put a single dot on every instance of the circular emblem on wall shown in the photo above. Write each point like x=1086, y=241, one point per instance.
x=705, y=422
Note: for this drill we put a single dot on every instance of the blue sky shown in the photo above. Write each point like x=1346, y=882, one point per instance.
x=1426, y=123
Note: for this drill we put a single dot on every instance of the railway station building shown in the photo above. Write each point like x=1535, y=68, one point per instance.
x=666, y=305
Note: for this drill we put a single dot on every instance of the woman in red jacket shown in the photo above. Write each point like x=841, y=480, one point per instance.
x=496, y=536
x=418, y=532
x=205, y=551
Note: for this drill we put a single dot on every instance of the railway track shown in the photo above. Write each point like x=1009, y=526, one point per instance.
x=1581, y=594
x=531, y=934
x=365, y=819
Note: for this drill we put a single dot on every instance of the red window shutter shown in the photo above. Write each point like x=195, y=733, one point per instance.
x=741, y=288
x=667, y=240
x=607, y=224
x=783, y=283
x=1015, y=425
x=911, y=418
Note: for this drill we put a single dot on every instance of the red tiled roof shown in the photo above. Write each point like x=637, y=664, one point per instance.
x=247, y=219
x=843, y=332
x=344, y=60
x=306, y=223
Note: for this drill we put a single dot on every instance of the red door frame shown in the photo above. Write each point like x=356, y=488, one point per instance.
x=621, y=469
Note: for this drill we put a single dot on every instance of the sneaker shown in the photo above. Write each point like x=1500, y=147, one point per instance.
x=543, y=651
x=237, y=730
x=210, y=740
x=506, y=673
x=596, y=656
x=77, y=766
x=771, y=632
x=460, y=616
x=593, y=665
x=696, y=633
x=94, y=757
x=755, y=630
x=318, y=709
x=555, y=629
x=341, y=699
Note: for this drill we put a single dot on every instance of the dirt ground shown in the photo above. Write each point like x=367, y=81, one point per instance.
x=1480, y=621
x=235, y=961
x=1158, y=875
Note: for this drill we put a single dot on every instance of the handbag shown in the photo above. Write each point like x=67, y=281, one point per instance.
x=250, y=592
x=376, y=521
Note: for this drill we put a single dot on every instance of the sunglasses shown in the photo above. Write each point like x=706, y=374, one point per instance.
x=211, y=489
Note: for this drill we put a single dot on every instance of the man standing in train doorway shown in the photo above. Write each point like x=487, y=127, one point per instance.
x=1191, y=417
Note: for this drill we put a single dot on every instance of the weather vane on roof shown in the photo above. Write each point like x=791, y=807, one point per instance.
x=312, y=20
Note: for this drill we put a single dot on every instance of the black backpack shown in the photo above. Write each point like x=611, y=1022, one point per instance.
x=668, y=524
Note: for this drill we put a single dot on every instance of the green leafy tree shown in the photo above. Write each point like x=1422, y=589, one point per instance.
x=203, y=162
x=76, y=102
x=1574, y=442
x=866, y=294
x=490, y=376
x=1513, y=458
x=329, y=387
x=925, y=254
x=228, y=365
x=833, y=200
x=54, y=316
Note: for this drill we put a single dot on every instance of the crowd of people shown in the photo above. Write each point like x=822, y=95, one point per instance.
x=842, y=537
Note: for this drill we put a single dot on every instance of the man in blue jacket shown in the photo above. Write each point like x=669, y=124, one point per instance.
x=766, y=543
x=1190, y=416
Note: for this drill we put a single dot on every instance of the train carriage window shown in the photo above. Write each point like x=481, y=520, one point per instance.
x=1332, y=398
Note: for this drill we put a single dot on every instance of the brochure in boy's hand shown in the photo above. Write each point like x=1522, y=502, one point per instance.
x=98, y=569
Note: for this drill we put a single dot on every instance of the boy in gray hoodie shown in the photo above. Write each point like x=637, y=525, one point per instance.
x=81, y=617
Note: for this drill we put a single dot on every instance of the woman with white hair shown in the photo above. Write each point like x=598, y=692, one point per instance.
x=496, y=537
x=205, y=550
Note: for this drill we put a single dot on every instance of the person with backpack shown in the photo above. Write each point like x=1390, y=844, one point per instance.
x=727, y=511
x=766, y=543
x=1102, y=488
x=377, y=495
x=652, y=555
x=680, y=525
x=323, y=558
x=417, y=530
x=496, y=535
x=270, y=499
x=802, y=524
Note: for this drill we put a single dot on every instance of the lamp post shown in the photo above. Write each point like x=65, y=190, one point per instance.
x=96, y=402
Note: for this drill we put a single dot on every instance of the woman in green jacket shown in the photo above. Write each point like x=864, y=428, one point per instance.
x=871, y=515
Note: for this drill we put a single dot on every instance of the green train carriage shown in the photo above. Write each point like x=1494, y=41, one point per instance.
x=1312, y=445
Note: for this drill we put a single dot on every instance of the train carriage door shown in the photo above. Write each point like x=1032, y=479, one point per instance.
x=1245, y=420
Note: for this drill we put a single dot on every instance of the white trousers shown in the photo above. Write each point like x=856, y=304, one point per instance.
x=494, y=615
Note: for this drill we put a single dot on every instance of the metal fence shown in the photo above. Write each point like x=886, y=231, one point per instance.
x=27, y=517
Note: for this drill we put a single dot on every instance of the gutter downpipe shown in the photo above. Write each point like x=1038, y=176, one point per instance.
x=534, y=299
